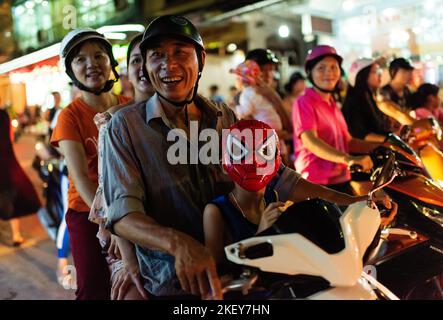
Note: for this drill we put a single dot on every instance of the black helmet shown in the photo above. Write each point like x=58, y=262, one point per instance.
x=174, y=26
x=399, y=63
x=262, y=56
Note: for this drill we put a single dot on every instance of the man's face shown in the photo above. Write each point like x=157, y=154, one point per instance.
x=172, y=66
x=404, y=76
x=268, y=71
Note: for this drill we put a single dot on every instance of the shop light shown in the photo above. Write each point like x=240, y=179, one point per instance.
x=283, y=31
x=19, y=10
x=14, y=123
x=122, y=28
x=115, y=35
x=31, y=58
x=238, y=57
x=429, y=5
x=29, y=4
x=348, y=5
x=231, y=47
x=389, y=12
x=45, y=3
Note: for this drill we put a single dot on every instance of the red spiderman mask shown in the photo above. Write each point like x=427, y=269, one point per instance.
x=251, y=154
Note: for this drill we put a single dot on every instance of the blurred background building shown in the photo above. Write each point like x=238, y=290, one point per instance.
x=32, y=29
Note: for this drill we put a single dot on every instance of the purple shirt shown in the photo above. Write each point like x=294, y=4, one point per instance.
x=311, y=112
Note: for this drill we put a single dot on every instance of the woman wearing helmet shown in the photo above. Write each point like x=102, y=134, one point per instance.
x=125, y=273
x=321, y=139
x=88, y=60
x=365, y=120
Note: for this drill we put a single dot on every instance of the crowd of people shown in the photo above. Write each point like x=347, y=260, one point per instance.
x=141, y=227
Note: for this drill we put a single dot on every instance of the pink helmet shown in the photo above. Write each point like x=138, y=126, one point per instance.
x=321, y=51
x=249, y=71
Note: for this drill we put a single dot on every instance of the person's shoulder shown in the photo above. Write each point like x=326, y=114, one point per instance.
x=385, y=89
x=129, y=110
x=124, y=99
x=306, y=100
x=73, y=106
x=73, y=109
x=130, y=113
x=221, y=108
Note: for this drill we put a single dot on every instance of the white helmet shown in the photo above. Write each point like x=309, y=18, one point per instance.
x=72, y=40
x=76, y=36
x=357, y=66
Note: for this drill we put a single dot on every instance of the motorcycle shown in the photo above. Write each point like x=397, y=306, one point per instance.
x=53, y=172
x=419, y=198
x=312, y=251
x=425, y=137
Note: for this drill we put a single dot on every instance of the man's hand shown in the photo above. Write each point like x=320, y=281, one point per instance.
x=196, y=270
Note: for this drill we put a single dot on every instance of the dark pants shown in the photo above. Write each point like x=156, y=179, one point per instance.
x=93, y=276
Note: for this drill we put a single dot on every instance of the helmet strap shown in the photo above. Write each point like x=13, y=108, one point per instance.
x=106, y=88
x=317, y=87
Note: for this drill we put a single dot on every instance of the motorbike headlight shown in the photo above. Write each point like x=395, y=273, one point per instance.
x=431, y=213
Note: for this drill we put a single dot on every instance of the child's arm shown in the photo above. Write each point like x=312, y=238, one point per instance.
x=214, y=229
x=270, y=215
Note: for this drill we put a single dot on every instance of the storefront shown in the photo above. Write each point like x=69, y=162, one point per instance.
x=29, y=80
x=411, y=29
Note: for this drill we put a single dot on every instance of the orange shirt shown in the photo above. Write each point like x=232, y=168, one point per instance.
x=76, y=123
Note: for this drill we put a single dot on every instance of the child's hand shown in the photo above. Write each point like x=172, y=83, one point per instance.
x=270, y=215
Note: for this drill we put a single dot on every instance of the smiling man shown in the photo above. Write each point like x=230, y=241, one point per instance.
x=153, y=203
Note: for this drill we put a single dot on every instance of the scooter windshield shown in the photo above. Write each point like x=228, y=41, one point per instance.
x=399, y=143
x=316, y=220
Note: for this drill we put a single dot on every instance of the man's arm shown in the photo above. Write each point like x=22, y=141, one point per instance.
x=393, y=110
x=124, y=191
x=194, y=264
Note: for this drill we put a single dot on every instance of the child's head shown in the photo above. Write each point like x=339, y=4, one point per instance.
x=248, y=71
x=426, y=96
x=251, y=154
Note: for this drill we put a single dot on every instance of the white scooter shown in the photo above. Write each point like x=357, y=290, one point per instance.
x=313, y=251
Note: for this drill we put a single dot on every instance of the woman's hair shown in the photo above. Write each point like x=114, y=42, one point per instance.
x=361, y=81
x=295, y=77
x=419, y=98
x=136, y=40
